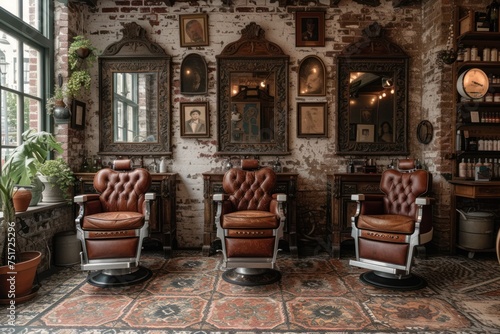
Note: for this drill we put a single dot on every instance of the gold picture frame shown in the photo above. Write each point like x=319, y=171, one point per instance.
x=193, y=30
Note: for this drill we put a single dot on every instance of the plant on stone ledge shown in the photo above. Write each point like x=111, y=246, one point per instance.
x=19, y=169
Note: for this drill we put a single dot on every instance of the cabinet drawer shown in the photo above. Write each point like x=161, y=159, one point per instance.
x=477, y=191
x=349, y=188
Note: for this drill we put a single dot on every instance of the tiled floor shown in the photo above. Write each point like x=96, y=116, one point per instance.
x=316, y=294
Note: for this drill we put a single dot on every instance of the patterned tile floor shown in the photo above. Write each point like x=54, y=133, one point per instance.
x=315, y=295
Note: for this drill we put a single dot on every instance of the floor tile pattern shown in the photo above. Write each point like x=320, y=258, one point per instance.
x=315, y=295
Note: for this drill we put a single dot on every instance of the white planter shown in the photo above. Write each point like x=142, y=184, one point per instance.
x=51, y=194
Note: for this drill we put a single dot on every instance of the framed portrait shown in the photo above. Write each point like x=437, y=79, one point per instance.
x=365, y=133
x=195, y=119
x=312, y=76
x=309, y=29
x=193, y=75
x=78, y=114
x=193, y=30
x=312, y=119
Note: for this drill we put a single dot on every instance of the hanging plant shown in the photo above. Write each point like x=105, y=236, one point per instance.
x=81, y=53
x=78, y=81
x=81, y=56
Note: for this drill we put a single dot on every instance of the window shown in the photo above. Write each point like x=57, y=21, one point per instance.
x=26, y=46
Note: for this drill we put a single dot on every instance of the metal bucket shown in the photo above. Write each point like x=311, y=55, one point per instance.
x=476, y=229
x=66, y=249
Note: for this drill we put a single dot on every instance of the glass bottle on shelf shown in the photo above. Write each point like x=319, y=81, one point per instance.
x=493, y=10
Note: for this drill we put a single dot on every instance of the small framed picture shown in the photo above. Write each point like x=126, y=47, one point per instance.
x=78, y=114
x=365, y=133
x=194, y=119
x=193, y=75
x=309, y=29
x=312, y=76
x=193, y=30
x=312, y=119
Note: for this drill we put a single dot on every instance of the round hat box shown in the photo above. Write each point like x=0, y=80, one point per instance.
x=473, y=83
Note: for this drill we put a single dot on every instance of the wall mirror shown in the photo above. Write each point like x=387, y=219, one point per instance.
x=373, y=96
x=252, y=96
x=134, y=99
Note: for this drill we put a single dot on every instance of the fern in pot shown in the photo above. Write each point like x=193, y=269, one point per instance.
x=58, y=179
x=19, y=168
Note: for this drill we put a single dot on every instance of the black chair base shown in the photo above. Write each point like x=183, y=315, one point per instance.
x=251, y=276
x=110, y=279
x=388, y=281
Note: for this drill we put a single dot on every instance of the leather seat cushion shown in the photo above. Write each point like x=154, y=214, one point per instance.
x=111, y=248
x=121, y=220
x=252, y=247
x=250, y=219
x=387, y=223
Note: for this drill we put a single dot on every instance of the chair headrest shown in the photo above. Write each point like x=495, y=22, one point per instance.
x=122, y=164
x=406, y=165
x=249, y=164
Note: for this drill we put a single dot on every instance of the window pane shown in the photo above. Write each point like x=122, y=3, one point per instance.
x=11, y=6
x=32, y=69
x=9, y=123
x=31, y=14
x=8, y=59
x=31, y=114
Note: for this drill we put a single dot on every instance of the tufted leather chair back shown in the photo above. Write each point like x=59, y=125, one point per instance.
x=249, y=190
x=401, y=190
x=122, y=190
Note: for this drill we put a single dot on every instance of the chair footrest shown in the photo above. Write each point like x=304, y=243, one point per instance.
x=376, y=267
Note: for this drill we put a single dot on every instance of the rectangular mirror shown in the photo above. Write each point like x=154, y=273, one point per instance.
x=252, y=96
x=373, y=90
x=134, y=81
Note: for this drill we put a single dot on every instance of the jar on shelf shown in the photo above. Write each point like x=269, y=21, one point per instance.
x=486, y=54
x=494, y=54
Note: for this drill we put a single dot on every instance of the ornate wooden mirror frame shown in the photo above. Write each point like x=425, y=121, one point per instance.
x=386, y=65
x=137, y=57
x=252, y=96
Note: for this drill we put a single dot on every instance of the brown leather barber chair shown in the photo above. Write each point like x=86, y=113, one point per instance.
x=250, y=221
x=113, y=223
x=387, y=229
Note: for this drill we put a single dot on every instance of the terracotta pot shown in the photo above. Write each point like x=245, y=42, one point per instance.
x=21, y=198
x=17, y=283
x=83, y=53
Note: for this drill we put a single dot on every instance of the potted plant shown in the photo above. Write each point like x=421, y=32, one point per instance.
x=56, y=105
x=58, y=179
x=18, y=169
x=81, y=56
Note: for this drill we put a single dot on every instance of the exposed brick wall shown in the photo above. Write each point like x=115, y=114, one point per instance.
x=429, y=88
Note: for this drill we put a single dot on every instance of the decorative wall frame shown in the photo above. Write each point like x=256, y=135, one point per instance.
x=309, y=29
x=425, y=132
x=312, y=77
x=193, y=29
x=195, y=119
x=194, y=75
x=312, y=119
x=78, y=109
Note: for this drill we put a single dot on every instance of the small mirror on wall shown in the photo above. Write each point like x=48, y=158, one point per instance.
x=193, y=75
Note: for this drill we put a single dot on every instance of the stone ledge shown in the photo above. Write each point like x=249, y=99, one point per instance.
x=41, y=207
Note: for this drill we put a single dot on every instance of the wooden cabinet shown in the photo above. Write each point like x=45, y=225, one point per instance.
x=162, y=223
x=212, y=184
x=467, y=194
x=340, y=207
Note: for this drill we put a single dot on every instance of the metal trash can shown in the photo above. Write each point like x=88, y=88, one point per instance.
x=476, y=230
x=66, y=249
